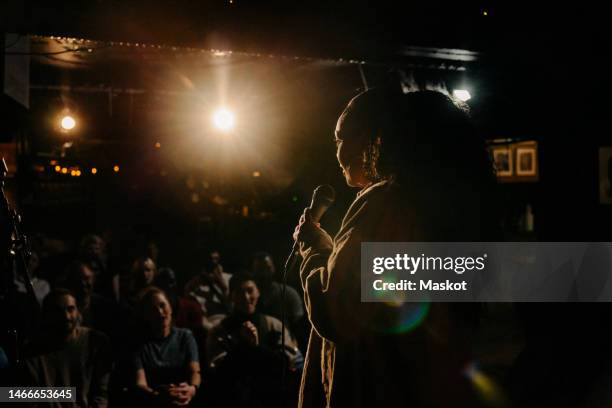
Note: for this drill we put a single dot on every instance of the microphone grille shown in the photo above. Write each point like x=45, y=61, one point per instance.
x=324, y=193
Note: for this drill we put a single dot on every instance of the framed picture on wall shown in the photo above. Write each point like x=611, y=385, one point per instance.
x=526, y=161
x=502, y=156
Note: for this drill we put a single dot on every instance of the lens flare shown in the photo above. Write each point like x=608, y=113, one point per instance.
x=487, y=389
x=223, y=119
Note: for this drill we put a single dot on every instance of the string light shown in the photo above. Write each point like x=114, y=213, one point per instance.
x=58, y=168
x=94, y=170
x=116, y=169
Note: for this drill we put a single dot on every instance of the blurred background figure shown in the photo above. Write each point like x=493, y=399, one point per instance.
x=64, y=353
x=41, y=286
x=166, y=366
x=97, y=312
x=141, y=276
x=246, y=352
x=210, y=288
x=270, y=303
x=92, y=252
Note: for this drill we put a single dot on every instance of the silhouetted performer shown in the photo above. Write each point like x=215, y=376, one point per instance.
x=423, y=175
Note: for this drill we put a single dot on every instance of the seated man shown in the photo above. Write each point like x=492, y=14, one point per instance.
x=65, y=354
x=271, y=291
x=97, y=312
x=246, y=352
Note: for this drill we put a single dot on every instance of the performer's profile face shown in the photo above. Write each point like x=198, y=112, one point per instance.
x=351, y=143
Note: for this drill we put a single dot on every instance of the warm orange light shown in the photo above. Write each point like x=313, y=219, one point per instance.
x=53, y=162
x=256, y=174
x=78, y=173
x=94, y=170
x=68, y=122
x=116, y=169
x=58, y=168
x=157, y=145
x=64, y=170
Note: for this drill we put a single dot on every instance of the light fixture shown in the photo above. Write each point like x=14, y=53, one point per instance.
x=462, y=94
x=223, y=119
x=68, y=123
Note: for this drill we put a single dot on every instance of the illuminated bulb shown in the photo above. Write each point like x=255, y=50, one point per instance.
x=94, y=170
x=68, y=123
x=58, y=168
x=223, y=119
x=64, y=170
x=462, y=95
x=77, y=173
x=116, y=169
x=72, y=172
x=157, y=145
x=256, y=174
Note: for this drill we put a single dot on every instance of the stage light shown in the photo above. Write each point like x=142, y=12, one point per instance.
x=94, y=170
x=68, y=122
x=116, y=169
x=223, y=119
x=462, y=95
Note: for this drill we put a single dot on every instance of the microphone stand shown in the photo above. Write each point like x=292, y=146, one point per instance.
x=14, y=255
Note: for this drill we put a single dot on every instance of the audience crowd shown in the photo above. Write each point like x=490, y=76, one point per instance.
x=125, y=331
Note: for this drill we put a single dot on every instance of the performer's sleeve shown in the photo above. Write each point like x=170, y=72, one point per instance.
x=331, y=283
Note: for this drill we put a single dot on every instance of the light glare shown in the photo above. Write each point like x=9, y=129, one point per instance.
x=462, y=95
x=223, y=119
x=68, y=122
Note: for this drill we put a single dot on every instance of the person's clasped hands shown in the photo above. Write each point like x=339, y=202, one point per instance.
x=179, y=395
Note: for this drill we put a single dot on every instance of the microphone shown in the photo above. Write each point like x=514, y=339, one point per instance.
x=322, y=198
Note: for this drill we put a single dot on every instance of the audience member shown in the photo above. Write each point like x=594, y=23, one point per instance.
x=246, y=351
x=41, y=286
x=167, y=368
x=66, y=354
x=142, y=276
x=97, y=312
x=271, y=292
x=210, y=289
x=93, y=252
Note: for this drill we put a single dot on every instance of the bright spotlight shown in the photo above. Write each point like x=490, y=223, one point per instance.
x=462, y=95
x=68, y=122
x=223, y=119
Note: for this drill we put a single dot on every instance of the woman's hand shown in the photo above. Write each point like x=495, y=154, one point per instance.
x=309, y=234
x=248, y=333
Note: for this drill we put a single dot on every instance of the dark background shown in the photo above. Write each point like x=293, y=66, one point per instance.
x=540, y=75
